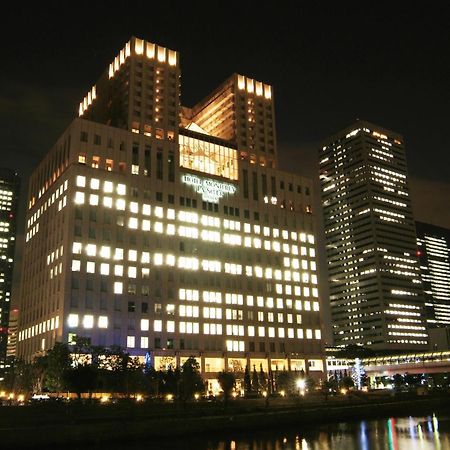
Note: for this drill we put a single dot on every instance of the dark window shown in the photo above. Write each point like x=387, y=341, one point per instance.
x=159, y=196
x=171, y=166
x=159, y=165
x=170, y=343
x=97, y=139
x=84, y=136
x=157, y=342
x=272, y=347
x=255, y=186
x=135, y=154
x=131, y=306
x=262, y=346
x=147, y=161
x=144, y=307
x=171, y=199
x=245, y=177
x=264, y=184
x=274, y=186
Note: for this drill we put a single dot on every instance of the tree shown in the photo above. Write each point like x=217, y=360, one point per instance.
x=55, y=363
x=190, y=380
x=226, y=381
x=82, y=378
x=262, y=378
x=346, y=382
x=247, y=381
x=255, y=380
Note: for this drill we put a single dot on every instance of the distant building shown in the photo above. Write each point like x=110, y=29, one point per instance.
x=12, y=334
x=169, y=231
x=433, y=249
x=374, y=278
x=9, y=197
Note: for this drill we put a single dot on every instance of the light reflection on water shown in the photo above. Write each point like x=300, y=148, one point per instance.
x=405, y=433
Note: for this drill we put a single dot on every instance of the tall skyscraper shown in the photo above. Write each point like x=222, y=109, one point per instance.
x=168, y=230
x=9, y=195
x=433, y=249
x=375, y=289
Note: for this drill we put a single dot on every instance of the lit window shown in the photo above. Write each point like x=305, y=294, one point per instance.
x=105, y=251
x=170, y=326
x=130, y=341
x=146, y=209
x=170, y=229
x=118, y=271
x=120, y=204
x=157, y=259
x=91, y=249
x=133, y=223
x=118, y=287
x=107, y=202
x=158, y=227
x=104, y=269
x=318, y=334
x=145, y=225
x=79, y=198
x=76, y=247
x=108, y=187
x=134, y=207
x=103, y=322
x=72, y=320
x=309, y=334
x=145, y=324
x=81, y=181
x=90, y=267
x=88, y=321
x=93, y=200
x=95, y=183
x=132, y=272
x=118, y=255
x=157, y=325
x=144, y=342
x=76, y=265
x=121, y=189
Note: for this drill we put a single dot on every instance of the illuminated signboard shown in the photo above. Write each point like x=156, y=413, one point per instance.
x=211, y=190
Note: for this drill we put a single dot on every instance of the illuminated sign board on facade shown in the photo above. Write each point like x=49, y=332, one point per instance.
x=211, y=190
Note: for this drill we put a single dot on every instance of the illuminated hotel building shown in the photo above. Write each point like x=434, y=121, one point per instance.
x=374, y=277
x=433, y=249
x=168, y=230
x=9, y=195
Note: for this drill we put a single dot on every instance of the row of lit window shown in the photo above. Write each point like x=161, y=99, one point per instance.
x=193, y=263
x=42, y=327
x=88, y=322
x=183, y=216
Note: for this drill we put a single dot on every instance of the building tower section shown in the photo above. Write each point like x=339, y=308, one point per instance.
x=433, y=250
x=375, y=289
x=9, y=198
x=161, y=237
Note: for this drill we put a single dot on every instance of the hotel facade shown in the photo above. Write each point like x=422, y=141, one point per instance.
x=376, y=293
x=169, y=231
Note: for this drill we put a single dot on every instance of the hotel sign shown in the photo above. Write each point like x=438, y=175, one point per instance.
x=211, y=190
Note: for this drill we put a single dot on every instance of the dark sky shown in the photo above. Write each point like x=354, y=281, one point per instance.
x=328, y=64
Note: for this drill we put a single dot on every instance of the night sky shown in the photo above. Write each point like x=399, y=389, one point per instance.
x=329, y=65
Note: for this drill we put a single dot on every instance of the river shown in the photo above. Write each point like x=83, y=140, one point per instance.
x=395, y=433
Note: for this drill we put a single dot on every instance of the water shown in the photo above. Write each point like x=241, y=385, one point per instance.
x=402, y=433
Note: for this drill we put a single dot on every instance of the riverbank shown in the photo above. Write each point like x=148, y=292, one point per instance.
x=45, y=426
